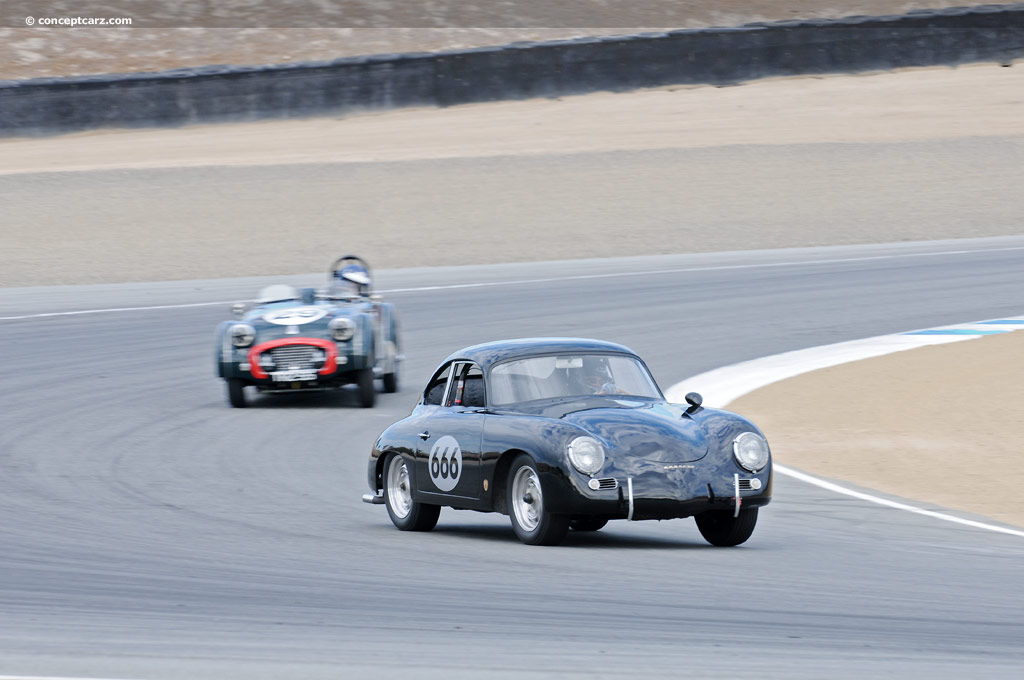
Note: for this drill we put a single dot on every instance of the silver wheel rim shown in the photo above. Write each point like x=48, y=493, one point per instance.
x=399, y=491
x=527, y=502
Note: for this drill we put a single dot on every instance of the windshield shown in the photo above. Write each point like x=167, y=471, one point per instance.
x=552, y=377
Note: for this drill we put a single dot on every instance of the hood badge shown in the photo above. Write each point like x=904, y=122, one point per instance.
x=684, y=466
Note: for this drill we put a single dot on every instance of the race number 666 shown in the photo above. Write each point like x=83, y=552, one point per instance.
x=445, y=463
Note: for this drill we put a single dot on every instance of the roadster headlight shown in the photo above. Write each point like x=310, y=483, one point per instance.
x=342, y=328
x=586, y=455
x=242, y=334
x=751, y=451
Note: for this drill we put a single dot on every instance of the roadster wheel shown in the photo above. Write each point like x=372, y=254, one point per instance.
x=406, y=513
x=236, y=393
x=587, y=523
x=367, y=390
x=531, y=521
x=390, y=381
x=719, y=527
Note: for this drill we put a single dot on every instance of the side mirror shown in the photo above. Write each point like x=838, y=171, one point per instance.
x=308, y=296
x=694, y=400
x=238, y=309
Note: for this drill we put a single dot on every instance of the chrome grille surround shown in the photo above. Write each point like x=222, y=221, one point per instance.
x=745, y=485
x=608, y=483
x=293, y=357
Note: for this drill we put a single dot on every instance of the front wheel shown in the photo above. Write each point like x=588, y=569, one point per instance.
x=405, y=513
x=236, y=393
x=390, y=382
x=719, y=527
x=367, y=390
x=531, y=521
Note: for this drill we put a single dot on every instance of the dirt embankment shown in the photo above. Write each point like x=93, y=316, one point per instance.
x=61, y=51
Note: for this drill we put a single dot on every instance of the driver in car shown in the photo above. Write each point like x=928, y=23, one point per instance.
x=597, y=377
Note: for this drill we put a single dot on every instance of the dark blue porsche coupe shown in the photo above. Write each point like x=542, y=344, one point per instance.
x=563, y=433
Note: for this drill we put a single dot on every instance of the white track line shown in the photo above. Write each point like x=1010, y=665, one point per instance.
x=554, y=279
x=892, y=504
x=725, y=385
x=107, y=311
x=50, y=677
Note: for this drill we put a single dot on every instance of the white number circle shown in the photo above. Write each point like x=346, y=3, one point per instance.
x=445, y=463
x=295, y=316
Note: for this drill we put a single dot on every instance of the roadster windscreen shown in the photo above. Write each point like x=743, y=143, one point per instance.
x=553, y=377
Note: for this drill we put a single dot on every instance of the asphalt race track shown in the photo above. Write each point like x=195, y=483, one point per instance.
x=147, y=530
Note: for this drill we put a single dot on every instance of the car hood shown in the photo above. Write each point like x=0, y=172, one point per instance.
x=656, y=432
x=281, y=320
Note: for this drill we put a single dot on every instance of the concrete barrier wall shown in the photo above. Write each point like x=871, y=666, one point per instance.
x=517, y=71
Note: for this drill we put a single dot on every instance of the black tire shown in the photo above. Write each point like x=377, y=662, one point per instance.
x=406, y=513
x=531, y=521
x=719, y=527
x=587, y=523
x=236, y=393
x=367, y=390
x=390, y=381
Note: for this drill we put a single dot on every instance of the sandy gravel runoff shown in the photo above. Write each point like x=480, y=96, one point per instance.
x=940, y=424
x=914, y=155
x=939, y=103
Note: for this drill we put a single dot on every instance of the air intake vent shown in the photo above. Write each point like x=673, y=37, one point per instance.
x=608, y=483
x=745, y=485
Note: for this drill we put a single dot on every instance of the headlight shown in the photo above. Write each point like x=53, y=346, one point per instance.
x=586, y=455
x=342, y=328
x=751, y=451
x=242, y=335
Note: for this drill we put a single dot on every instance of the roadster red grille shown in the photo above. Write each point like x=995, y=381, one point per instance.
x=300, y=345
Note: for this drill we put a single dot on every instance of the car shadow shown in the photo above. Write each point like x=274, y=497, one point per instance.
x=574, y=539
x=343, y=397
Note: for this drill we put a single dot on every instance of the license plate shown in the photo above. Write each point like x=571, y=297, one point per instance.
x=292, y=376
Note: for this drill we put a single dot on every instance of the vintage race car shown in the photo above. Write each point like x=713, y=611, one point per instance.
x=292, y=340
x=562, y=433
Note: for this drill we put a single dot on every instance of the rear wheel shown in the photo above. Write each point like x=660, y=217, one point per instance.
x=587, y=523
x=367, y=390
x=531, y=521
x=406, y=513
x=719, y=527
x=236, y=393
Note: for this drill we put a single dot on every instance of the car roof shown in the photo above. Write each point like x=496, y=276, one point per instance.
x=490, y=353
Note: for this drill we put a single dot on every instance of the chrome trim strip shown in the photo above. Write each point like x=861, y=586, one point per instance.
x=736, y=484
x=629, y=483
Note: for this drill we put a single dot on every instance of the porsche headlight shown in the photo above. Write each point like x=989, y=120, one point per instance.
x=586, y=455
x=242, y=334
x=342, y=328
x=751, y=451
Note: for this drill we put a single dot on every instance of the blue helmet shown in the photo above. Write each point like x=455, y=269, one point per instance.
x=354, y=278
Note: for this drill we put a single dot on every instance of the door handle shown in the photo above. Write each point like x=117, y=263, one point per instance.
x=424, y=435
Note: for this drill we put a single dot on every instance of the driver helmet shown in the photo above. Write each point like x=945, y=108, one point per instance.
x=352, y=280
x=597, y=377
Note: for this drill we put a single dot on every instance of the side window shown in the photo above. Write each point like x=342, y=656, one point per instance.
x=435, y=388
x=467, y=387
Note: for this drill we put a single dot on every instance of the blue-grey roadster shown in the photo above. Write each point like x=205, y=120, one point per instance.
x=292, y=340
x=563, y=433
